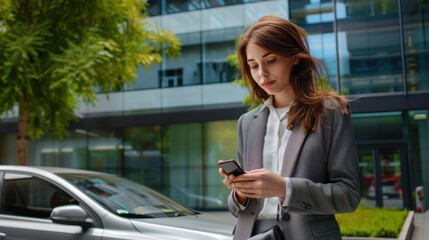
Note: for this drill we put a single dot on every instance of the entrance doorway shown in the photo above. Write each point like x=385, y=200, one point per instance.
x=384, y=175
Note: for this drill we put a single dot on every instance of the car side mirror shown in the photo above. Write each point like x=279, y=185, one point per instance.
x=71, y=215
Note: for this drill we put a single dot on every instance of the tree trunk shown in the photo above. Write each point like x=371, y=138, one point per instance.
x=22, y=136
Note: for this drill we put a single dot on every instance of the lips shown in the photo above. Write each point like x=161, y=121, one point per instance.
x=267, y=84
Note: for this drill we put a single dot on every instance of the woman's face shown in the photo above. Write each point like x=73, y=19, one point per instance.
x=271, y=71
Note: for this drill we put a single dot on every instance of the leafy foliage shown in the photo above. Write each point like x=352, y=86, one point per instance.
x=55, y=53
x=372, y=222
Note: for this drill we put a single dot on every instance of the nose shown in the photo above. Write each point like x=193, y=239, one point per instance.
x=263, y=72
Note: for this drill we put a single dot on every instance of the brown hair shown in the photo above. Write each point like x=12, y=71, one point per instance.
x=285, y=38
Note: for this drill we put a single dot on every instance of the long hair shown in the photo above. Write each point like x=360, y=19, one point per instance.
x=285, y=38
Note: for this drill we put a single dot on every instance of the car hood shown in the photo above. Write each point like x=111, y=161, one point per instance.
x=201, y=226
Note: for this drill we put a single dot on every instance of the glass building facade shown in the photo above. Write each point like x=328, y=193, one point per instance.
x=169, y=129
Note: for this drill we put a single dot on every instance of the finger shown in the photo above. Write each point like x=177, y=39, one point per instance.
x=246, y=177
x=229, y=179
x=242, y=184
x=222, y=172
x=246, y=191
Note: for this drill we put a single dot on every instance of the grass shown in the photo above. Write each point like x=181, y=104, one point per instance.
x=372, y=222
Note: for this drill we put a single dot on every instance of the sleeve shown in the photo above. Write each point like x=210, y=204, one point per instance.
x=336, y=188
x=233, y=206
x=288, y=192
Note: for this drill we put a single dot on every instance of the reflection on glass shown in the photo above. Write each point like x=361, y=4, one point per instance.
x=126, y=198
x=378, y=126
x=218, y=146
x=142, y=153
x=157, y=7
x=317, y=18
x=416, y=36
x=367, y=173
x=105, y=151
x=367, y=62
x=70, y=151
x=391, y=187
x=183, y=171
x=380, y=174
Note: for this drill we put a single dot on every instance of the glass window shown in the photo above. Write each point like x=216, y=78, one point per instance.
x=126, y=198
x=183, y=170
x=215, y=69
x=378, y=126
x=208, y=36
x=381, y=175
x=416, y=36
x=175, y=6
x=317, y=20
x=419, y=142
x=180, y=160
x=143, y=155
x=105, y=151
x=219, y=144
x=170, y=77
x=71, y=151
x=25, y=195
x=154, y=7
x=157, y=7
x=367, y=62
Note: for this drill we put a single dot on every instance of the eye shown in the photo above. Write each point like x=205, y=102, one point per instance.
x=255, y=66
x=272, y=60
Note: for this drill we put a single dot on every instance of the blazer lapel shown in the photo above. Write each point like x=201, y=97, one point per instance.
x=293, y=148
x=256, y=139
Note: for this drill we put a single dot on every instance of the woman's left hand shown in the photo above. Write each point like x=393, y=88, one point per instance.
x=260, y=183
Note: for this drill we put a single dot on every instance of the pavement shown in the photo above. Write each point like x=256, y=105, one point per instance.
x=421, y=226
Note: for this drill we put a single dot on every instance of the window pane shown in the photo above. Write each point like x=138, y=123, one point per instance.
x=105, y=151
x=143, y=155
x=419, y=142
x=154, y=7
x=24, y=195
x=378, y=126
x=317, y=20
x=220, y=139
x=183, y=164
x=416, y=36
x=369, y=46
x=214, y=68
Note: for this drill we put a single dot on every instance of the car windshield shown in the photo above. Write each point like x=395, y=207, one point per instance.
x=126, y=198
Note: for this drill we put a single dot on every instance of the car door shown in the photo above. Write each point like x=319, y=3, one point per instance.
x=26, y=202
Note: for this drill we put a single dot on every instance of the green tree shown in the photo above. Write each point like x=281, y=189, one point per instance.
x=54, y=54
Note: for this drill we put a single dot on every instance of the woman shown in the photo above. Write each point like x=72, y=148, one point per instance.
x=297, y=147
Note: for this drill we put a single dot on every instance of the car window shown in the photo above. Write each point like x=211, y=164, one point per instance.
x=126, y=198
x=29, y=196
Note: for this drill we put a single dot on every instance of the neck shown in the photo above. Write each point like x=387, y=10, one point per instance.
x=282, y=102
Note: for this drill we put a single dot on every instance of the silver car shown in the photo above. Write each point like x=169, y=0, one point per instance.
x=61, y=203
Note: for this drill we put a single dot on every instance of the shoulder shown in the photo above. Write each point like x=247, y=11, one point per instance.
x=252, y=113
x=331, y=103
x=248, y=117
x=336, y=104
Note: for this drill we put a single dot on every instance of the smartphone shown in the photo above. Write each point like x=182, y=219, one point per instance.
x=231, y=167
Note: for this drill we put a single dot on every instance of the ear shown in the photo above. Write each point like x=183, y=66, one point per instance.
x=295, y=60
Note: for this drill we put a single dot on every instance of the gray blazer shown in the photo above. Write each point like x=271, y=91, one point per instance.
x=323, y=170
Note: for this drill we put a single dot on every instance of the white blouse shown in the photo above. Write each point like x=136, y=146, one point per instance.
x=275, y=141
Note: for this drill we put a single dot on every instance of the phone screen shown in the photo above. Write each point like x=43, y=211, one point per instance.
x=231, y=167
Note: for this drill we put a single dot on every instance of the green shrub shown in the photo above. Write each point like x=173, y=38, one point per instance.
x=372, y=222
